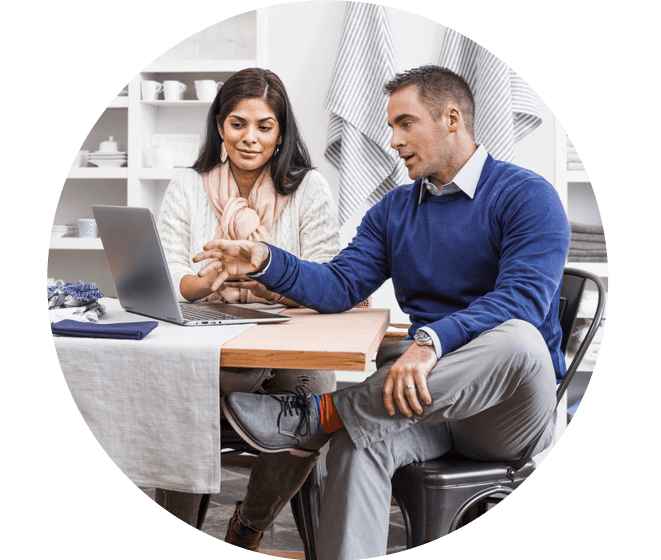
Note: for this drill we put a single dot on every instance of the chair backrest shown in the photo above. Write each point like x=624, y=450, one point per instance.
x=573, y=286
x=571, y=293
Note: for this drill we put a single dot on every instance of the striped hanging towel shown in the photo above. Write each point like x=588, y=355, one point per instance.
x=506, y=108
x=358, y=136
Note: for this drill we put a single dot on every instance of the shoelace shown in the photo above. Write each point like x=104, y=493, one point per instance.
x=299, y=402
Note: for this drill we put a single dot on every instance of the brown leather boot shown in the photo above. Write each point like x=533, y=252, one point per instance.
x=240, y=535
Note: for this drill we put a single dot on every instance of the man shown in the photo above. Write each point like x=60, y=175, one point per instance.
x=476, y=250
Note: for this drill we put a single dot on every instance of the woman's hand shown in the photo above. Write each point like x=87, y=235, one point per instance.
x=193, y=288
x=231, y=258
x=245, y=283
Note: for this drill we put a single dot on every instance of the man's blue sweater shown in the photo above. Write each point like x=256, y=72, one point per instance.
x=459, y=266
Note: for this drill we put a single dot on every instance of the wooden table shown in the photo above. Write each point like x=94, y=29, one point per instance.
x=311, y=340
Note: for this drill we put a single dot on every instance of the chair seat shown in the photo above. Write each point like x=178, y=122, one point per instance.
x=455, y=470
x=436, y=495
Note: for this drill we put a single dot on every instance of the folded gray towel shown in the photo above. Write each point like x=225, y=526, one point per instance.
x=586, y=245
x=587, y=258
x=575, y=253
x=592, y=237
x=586, y=228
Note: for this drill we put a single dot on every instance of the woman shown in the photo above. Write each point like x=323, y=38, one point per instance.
x=252, y=180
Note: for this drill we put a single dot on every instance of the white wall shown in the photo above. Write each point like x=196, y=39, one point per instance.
x=303, y=39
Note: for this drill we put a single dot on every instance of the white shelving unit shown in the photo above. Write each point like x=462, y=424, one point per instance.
x=132, y=122
x=577, y=197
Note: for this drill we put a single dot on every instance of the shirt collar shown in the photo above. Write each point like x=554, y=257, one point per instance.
x=466, y=180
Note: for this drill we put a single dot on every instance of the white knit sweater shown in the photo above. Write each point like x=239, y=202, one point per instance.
x=307, y=227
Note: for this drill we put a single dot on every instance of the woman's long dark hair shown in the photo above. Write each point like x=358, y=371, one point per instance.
x=292, y=161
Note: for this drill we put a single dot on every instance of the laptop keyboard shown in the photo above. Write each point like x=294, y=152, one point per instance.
x=201, y=314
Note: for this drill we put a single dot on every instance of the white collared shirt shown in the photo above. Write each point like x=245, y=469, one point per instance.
x=466, y=180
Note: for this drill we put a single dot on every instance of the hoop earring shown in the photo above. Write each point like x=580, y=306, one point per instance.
x=223, y=153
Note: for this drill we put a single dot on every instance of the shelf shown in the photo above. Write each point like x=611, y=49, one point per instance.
x=576, y=176
x=182, y=103
x=586, y=366
x=98, y=173
x=199, y=65
x=91, y=243
x=120, y=102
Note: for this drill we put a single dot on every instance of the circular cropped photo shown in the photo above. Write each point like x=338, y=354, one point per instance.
x=322, y=291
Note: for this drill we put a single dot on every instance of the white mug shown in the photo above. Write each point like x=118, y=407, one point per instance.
x=150, y=90
x=206, y=90
x=160, y=156
x=87, y=228
x=173, y=90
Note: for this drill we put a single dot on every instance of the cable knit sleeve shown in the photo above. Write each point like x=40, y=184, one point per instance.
x=174, y=226
x=318, y=226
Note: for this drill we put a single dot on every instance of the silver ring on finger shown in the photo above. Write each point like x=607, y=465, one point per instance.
x=406, y=387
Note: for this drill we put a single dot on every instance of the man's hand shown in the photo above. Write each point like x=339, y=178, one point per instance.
x=412, y=368
x=231, y=258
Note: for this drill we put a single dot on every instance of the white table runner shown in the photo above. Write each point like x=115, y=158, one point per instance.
x=153, y=404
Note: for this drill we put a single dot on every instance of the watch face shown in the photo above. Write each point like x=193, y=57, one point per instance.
x=422, y=337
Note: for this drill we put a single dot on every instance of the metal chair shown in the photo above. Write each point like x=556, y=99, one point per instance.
x=439, y=496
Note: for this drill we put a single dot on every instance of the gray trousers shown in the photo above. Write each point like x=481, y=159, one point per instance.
x=490, y=398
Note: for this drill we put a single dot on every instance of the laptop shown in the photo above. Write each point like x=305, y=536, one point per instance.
x=142, y=278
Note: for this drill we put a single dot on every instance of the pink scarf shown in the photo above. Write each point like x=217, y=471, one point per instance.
x=238, y=218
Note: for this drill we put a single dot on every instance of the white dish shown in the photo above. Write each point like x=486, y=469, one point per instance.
x=107, y=154
x=106, y=158
x=61, y=231
x=108, y=162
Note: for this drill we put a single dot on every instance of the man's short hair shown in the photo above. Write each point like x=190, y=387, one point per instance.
x=437, y=87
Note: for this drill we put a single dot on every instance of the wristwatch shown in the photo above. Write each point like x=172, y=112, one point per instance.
x=423, y=338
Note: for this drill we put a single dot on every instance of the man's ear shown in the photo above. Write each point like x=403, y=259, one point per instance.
x=453, y=118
